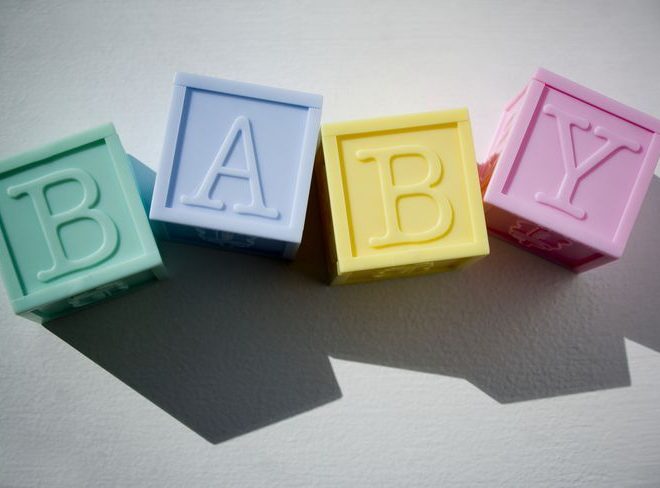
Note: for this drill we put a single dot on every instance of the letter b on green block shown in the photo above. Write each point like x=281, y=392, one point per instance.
x=51, y=223
x=73, y=227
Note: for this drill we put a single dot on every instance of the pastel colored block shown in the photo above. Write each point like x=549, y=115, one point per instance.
x=73, y=229
x=400, y=196
x=145, y=179
x=237, y=164
x=567, y=172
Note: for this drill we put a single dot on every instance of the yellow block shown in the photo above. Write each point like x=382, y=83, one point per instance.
x=400, y=196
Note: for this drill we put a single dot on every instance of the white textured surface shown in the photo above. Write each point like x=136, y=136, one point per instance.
x=241, y=371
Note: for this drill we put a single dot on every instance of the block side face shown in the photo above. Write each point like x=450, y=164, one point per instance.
x=54, y=148
x=303, y=179
x=113, y=289
x=475, y=210
x=500, y=139
x=251, y=90
x=403, y=271
x=232, y=241
x=506, y=123
x=238, y=163
x=395, y=122
x=163, y=176
x=597, y=99
x=132, y=194
x=542, y=241
x=400, y=184
x=66, y=219
x=577, y=170
x=325, y=211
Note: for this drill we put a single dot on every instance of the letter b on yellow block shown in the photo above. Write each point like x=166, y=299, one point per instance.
x=392, y=193
x=400, y=196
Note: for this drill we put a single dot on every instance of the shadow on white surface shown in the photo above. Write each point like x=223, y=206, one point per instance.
x=232, y=342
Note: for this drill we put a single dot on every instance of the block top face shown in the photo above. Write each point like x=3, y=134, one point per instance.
x=403, y=189
x=576, y=162
x=238, y=157
x=71, y=219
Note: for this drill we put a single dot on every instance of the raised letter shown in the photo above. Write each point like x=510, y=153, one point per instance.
x=202, y=197
x=531, y=235
x=51, y=223
x=393, y=193
x=573, y=171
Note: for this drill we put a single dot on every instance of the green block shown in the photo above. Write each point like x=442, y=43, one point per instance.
x=73, y=230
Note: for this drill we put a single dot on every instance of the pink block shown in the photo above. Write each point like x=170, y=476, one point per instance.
x=567, y=172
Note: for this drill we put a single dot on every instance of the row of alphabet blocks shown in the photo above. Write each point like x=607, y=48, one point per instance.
x=402, y=195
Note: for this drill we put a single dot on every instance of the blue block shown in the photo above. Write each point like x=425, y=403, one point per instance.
x=236, y=165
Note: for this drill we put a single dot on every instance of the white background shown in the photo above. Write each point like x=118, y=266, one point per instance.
x=242, y=371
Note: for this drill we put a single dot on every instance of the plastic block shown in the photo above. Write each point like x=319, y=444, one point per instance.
x=73, y=228
x=567, y=172
x=145, y=179
x=237, y=164
x=400, y=196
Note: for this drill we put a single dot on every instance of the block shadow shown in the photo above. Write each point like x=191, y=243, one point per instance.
x=219, y=345
x=233, y=342
x=514, y=325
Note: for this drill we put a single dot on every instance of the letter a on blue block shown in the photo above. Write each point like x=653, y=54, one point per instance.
x=237, y=161
x=218, y=169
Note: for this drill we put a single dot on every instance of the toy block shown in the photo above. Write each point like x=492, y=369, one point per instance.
x=237, y=165
x=400, y=196
x=145, y=179
x=567, y=172
x=73, y=230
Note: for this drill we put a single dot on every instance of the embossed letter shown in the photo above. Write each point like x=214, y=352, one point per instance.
x=531, y=235
x=573, y=171
x=51, y=223
x=257, y=206
x=393, y=193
